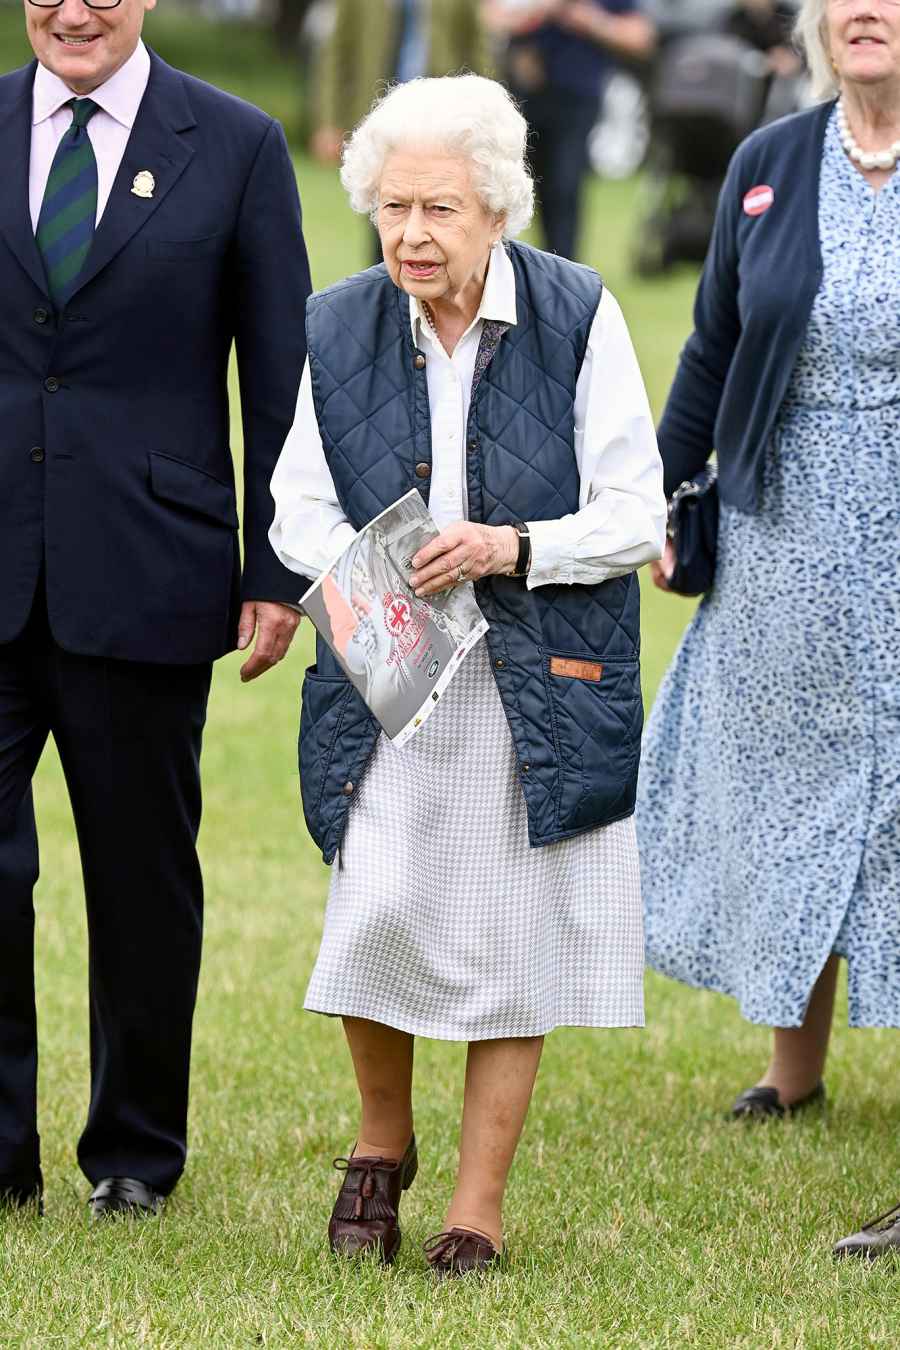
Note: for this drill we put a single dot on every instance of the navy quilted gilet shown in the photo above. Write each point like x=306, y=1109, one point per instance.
x=577, y=741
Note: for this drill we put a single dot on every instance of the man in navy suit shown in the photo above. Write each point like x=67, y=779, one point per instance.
x=147, y=222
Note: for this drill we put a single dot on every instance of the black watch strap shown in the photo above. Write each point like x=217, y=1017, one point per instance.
x=523, y=561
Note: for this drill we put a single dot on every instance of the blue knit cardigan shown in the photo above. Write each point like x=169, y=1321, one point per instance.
x=753, y=304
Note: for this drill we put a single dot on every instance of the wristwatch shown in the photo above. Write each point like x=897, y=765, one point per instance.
x=523, y=561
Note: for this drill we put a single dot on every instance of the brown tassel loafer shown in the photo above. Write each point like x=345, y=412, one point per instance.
x=364, y=1218
x=874, y=1238
x=459, y=1251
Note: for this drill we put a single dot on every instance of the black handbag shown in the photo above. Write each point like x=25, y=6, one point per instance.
x=694, y=531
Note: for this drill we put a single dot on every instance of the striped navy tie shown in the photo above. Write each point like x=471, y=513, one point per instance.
x=65, y=228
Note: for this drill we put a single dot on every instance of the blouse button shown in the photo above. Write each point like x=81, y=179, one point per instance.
x=423, y=470
x=420, y=361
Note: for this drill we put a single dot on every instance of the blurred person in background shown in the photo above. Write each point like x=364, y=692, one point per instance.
x=487, y=887
x=373, y=42
x=560, y=55
x=769, y=811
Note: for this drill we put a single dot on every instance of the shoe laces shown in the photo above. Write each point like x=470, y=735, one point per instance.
x=365, y=1199
x=445, y=1246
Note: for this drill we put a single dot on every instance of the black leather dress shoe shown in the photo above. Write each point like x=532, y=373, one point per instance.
x=365, y=1215
x=874, y=1238
x=124, y=1195
x=761, y=1103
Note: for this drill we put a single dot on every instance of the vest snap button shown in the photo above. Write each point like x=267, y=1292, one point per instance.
x=499, y=663
x=525, y=768
x=51, y=384
x=420, y=361
x=347, y=789
x=473, y=446
x=423, y=470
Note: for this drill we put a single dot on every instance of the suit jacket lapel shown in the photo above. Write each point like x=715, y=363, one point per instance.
x=156, y=145
x=15, y=136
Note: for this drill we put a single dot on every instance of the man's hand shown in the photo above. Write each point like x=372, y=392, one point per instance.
x=274, y=625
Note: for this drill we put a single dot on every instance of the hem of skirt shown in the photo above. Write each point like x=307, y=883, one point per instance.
x=855, y=1021
x=431, y=1033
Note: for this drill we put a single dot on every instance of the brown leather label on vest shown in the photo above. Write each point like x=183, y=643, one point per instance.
x=576, y=670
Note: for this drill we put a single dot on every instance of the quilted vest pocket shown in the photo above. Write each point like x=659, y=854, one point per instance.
x=596, y=714
x=324, y=703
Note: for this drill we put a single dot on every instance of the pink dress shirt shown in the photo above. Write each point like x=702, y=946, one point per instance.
x=119, y=99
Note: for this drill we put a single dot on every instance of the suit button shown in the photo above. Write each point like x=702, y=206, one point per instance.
x=420, y=361
x=41, y=315
x=37, y=455
x=51, y=384
x=423, y=470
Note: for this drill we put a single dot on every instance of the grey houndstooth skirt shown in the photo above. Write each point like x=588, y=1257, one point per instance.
x=443, y=921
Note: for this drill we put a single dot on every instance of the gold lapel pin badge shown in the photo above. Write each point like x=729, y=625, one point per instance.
x=144, y=184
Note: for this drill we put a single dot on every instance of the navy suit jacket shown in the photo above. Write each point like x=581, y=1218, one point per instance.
x=116, y=474
x=753, y=304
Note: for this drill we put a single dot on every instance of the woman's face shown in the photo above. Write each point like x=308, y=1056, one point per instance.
x=864, y=40
x=435, y=233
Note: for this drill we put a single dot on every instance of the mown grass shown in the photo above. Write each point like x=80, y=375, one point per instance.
x=637, y=1216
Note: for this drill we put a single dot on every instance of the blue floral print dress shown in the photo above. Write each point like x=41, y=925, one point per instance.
x=769, y=806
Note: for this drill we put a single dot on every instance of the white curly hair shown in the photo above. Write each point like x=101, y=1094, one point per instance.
x=465, y=115
x=811, y=36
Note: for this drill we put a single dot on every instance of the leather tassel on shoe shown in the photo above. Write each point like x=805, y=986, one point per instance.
x=365, y=1215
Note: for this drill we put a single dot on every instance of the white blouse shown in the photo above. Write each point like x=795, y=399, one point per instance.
x=621, y=520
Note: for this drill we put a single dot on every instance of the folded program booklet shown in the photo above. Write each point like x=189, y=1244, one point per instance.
x=399, y=651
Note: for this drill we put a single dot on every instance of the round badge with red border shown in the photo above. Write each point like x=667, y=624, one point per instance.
x=758, y=199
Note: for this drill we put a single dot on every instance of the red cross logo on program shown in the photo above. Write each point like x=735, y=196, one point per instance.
x=397, y=614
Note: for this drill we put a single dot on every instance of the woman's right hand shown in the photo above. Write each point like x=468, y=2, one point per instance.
x=661, y=571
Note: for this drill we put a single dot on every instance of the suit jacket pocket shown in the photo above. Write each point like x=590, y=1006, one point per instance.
x=186, y=250
x=174, y=480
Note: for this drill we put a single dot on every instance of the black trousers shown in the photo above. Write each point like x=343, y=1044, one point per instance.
x=129, y=737
x=559, y=122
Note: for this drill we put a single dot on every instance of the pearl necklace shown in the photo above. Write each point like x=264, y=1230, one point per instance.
x=866, y=159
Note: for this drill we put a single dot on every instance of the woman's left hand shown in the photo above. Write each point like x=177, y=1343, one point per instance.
x=464, y=552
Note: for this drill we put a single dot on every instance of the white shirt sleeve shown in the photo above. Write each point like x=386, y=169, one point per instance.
x=309, y=529
x=621, y=521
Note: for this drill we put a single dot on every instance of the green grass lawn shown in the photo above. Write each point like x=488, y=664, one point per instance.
x=637, y=1216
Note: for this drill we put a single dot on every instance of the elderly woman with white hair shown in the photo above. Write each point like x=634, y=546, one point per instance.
x=769, y=813
x=487, y=886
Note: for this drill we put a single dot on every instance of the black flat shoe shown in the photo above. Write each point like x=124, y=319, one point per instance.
x=874, y=1238
x=762, y=1103
x=124, y=1195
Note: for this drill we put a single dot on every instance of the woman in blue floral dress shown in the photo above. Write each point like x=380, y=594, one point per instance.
x=769, y=813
